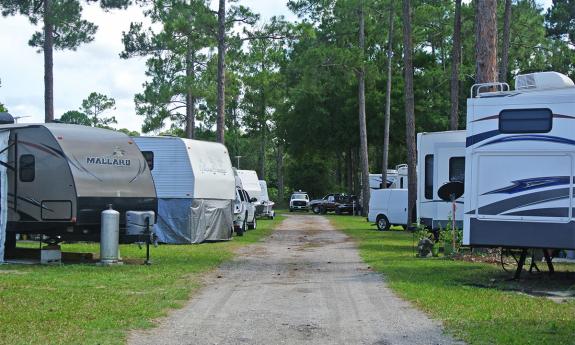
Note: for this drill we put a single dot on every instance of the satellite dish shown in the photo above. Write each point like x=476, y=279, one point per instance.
x=451, y=191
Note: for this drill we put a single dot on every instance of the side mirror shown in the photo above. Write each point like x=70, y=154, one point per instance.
x=253, y=200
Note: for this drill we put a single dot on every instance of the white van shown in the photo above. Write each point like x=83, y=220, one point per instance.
x=388, y=207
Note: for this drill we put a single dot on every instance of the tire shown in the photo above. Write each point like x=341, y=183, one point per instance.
x=337, y=211
x=242, y=229
x=291, y=209
x=323, y=210
x=382, y=223
x=316, y=209
x=253, y=225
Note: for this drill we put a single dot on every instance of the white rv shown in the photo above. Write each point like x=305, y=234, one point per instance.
x=266, y=207
x=401, y=177
x=251, y=183
x=520, y=162
x=195, y=185
x=440, y=159
x=396, y=178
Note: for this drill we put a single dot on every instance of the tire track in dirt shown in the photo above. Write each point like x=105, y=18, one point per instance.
x=304, y=284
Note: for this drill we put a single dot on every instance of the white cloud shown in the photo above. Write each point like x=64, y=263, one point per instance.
x=93, y=67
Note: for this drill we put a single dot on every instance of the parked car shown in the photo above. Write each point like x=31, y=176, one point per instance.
x=348, y=204
x=244, y=212
x=388, y=207
x=326, y=204
x=299, y=201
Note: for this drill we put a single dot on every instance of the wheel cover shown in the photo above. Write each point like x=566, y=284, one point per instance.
x=381, y=223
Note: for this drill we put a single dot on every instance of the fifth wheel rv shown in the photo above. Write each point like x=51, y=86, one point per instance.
x=60, y=177
x=440, y=159
x=520, y=161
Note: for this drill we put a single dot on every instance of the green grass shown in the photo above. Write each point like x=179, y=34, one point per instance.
x=87, y=304
x=471, y=299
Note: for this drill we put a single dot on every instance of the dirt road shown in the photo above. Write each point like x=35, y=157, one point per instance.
x=304, y=284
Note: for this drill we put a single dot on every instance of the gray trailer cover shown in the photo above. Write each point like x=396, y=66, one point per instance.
x=183, y=221
x=4, y=137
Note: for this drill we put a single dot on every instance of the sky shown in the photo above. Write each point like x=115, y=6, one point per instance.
x=92, y=67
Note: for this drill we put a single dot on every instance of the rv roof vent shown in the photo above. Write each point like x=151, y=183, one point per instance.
x=6, y=119
x=542, y=81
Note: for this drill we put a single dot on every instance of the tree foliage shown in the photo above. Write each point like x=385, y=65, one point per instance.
x=91, y=111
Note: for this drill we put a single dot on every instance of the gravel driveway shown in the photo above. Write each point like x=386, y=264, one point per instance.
x=305, y=284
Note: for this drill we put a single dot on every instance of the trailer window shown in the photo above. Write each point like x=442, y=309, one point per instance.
x=149, y=157
x=27, y=167
x=525, y=121
x=457, y=169
x=429, y=176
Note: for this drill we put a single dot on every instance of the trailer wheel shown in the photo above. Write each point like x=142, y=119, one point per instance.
x=382, y=223
x=316, y=209
x=240, y=231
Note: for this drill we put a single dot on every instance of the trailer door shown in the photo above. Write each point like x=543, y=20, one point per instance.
x=450, y=167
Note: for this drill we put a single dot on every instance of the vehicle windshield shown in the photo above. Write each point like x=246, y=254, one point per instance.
x=299, y=197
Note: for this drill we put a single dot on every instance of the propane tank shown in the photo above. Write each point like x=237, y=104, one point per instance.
x=110, y=237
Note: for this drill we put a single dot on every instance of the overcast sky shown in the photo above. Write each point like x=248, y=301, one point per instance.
x=93, y=67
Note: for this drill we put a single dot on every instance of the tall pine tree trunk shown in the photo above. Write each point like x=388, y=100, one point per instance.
x=48, y=62
x=387, y=120
x=362, y=122
x=349, y=172
x=506, y=41
x=221, y=102
x=280, y=171
x=455, y=61
x=262, y=157
x=409, y=113
x=486, y=41
x=190, y=99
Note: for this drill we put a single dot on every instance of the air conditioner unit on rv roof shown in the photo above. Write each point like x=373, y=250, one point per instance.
x=542, y=81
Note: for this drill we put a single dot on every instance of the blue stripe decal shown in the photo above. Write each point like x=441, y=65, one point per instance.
x=531, y=137
x=474, y=139
x=519, y=186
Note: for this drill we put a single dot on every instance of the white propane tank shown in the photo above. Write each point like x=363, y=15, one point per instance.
x=110, y=237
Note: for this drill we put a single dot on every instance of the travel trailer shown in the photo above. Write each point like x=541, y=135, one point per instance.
x=388, y=207
x=251, y=183
x=396, y=178
x=56, y=179
x=440, y=159
x=266, y=207
x=401, y=179
x=375, y=179
x=520, y=161
x=195, y=185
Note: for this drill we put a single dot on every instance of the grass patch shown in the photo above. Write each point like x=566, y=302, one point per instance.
x=462, y=294
x=87, y=304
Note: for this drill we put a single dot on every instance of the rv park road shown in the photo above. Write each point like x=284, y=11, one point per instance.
x=304, y=284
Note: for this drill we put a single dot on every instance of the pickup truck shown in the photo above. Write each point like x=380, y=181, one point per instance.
x=329, y=203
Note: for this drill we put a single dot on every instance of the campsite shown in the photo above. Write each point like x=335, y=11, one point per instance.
x=287, y=172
